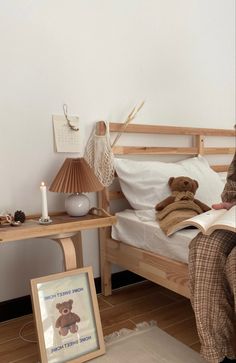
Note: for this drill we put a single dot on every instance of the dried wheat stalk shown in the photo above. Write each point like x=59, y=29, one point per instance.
x=130, y=117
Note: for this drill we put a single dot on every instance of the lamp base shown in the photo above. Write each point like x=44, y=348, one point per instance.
x=77, y=205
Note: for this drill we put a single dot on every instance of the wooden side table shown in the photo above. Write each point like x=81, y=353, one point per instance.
x=64, y=229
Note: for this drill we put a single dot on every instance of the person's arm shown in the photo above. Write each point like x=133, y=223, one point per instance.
x=228, y=195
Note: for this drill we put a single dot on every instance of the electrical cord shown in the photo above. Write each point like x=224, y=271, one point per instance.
x=21, y=333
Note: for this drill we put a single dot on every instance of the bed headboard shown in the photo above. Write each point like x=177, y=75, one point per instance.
x=198, y=146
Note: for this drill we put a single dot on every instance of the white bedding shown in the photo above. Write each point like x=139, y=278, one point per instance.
x=140, y=229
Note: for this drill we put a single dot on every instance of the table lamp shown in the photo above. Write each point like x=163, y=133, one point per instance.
x=75, y=176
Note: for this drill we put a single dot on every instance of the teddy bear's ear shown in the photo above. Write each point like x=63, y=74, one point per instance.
x=196, y=183
x=58, y=306
x=170, y=181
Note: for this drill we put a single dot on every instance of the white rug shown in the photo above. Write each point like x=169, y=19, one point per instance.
x=146, y=344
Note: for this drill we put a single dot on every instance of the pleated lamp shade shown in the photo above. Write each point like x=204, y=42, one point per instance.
x=75, y=176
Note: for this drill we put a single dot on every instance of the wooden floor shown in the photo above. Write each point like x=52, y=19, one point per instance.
x=124, y=309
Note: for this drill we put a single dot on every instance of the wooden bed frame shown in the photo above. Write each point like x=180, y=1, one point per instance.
x=161, y=270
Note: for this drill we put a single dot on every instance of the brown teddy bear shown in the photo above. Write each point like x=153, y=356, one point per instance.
x=182, y=188
x=180, y=205
x=67, y=320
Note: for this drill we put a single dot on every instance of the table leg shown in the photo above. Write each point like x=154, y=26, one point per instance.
x=77, y=240
x=105, y=266
x=69, y=252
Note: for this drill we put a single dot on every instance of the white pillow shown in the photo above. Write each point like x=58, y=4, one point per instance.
x=145, y=183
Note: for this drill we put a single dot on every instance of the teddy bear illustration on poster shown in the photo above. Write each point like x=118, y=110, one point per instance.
x=67, y=321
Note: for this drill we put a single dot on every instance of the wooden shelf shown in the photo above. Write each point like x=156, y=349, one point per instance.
x=64, y=229
x=60, y=225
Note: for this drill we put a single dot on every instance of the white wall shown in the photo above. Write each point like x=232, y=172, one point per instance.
x=101, y=57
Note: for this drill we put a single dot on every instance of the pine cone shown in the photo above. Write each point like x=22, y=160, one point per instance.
x=19, y=216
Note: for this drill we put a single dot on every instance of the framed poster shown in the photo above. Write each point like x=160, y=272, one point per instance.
x=67, y=317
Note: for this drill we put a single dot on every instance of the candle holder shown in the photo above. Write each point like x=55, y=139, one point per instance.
x=45, y=220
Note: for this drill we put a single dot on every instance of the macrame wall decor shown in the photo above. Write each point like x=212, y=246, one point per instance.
x=98, y=151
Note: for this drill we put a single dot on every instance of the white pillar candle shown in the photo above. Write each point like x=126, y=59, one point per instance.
x=43, y=189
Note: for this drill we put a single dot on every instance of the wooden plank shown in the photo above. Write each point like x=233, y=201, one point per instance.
x=218, y=150
x=69, y=253
x=77, y=241
x=170, y=130
x=105, y=265
x=139, y=306
x=38, y=215
x=103, y=199
x=220, y=168
x=10, y=329
x=61, y=225
x=152, y=150
x=20, y=349
x=162, y=270
x=115, y=195
x=181, y=330
x=199, y=139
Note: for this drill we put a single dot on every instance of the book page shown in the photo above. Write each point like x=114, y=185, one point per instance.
x=225, y=219
x=211, y=220
x=204, y=220
x=201, y=221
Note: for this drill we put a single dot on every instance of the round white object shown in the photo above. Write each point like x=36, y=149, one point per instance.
x=77, y=205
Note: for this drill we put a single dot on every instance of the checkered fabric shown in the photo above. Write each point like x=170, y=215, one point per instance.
x=212, y=272
x=229, y=192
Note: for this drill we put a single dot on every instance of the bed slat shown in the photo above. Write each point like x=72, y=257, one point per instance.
x=151, y=150
x=218, y=150
x=170, y=130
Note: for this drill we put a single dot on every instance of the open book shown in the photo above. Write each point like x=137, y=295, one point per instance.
x=210, y=221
